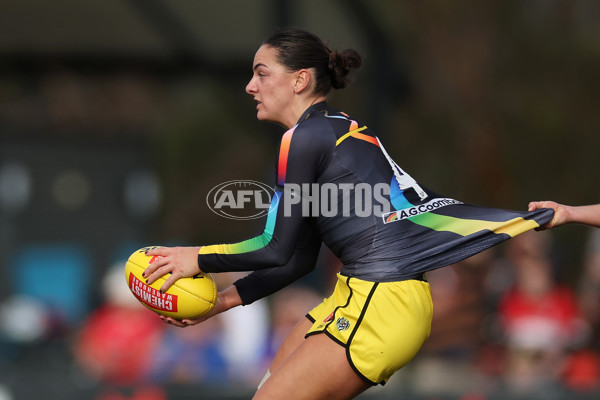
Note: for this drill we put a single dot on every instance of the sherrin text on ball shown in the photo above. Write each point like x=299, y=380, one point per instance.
x=187, y=298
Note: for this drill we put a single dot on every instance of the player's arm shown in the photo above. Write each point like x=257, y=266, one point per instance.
x=301, y=153
x=564, y=214
x=226, y=300
x=264, y=282
x=300, y=156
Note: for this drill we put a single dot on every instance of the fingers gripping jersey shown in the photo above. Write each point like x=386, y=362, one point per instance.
x=337, y=184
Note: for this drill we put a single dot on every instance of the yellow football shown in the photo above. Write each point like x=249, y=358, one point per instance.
x=187, y=298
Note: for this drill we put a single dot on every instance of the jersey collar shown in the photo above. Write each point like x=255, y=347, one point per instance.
x=317, y=107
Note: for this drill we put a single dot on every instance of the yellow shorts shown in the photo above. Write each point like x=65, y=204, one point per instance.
x=382, y=325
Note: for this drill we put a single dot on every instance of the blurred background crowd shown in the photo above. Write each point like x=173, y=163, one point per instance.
x=117, y=117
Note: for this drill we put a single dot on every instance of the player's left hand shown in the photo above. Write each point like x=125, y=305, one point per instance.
x=179, y=262
x=226, y=300
x=217, y=309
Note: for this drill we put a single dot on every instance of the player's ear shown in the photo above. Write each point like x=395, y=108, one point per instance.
x=302, y=82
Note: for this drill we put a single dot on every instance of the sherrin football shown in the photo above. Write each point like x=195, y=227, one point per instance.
x=187, y=298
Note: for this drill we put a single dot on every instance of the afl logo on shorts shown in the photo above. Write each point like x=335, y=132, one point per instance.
x=342, y=324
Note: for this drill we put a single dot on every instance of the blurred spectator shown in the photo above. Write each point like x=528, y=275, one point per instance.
x=115, y=343
x=191, y=355
x=589, y=288
x=445, y=363
x=289, y=305
x=244, y=336
x=25, y=320
x=141, y=393
x=459, y=297
x=581, y=372
x=227, y=348
x=540, y=317
x=37, y=311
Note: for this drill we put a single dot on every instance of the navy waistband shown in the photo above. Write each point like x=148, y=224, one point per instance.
x=398, y=278
x=415, y=277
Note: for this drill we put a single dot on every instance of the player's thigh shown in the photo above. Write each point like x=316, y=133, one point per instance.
x=293, y=340
x=317, y=369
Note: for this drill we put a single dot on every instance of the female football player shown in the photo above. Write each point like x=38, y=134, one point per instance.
x=337, y=185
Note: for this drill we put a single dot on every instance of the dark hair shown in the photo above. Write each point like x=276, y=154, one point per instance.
x=298, y=49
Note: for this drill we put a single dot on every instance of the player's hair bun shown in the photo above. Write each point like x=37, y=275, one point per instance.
x=298, y=49
x=341, y=63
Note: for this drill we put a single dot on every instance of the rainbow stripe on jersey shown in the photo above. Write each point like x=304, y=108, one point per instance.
x=421, y=214
x=263, y=240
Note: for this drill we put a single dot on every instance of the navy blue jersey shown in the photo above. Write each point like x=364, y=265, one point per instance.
x=337, y=185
